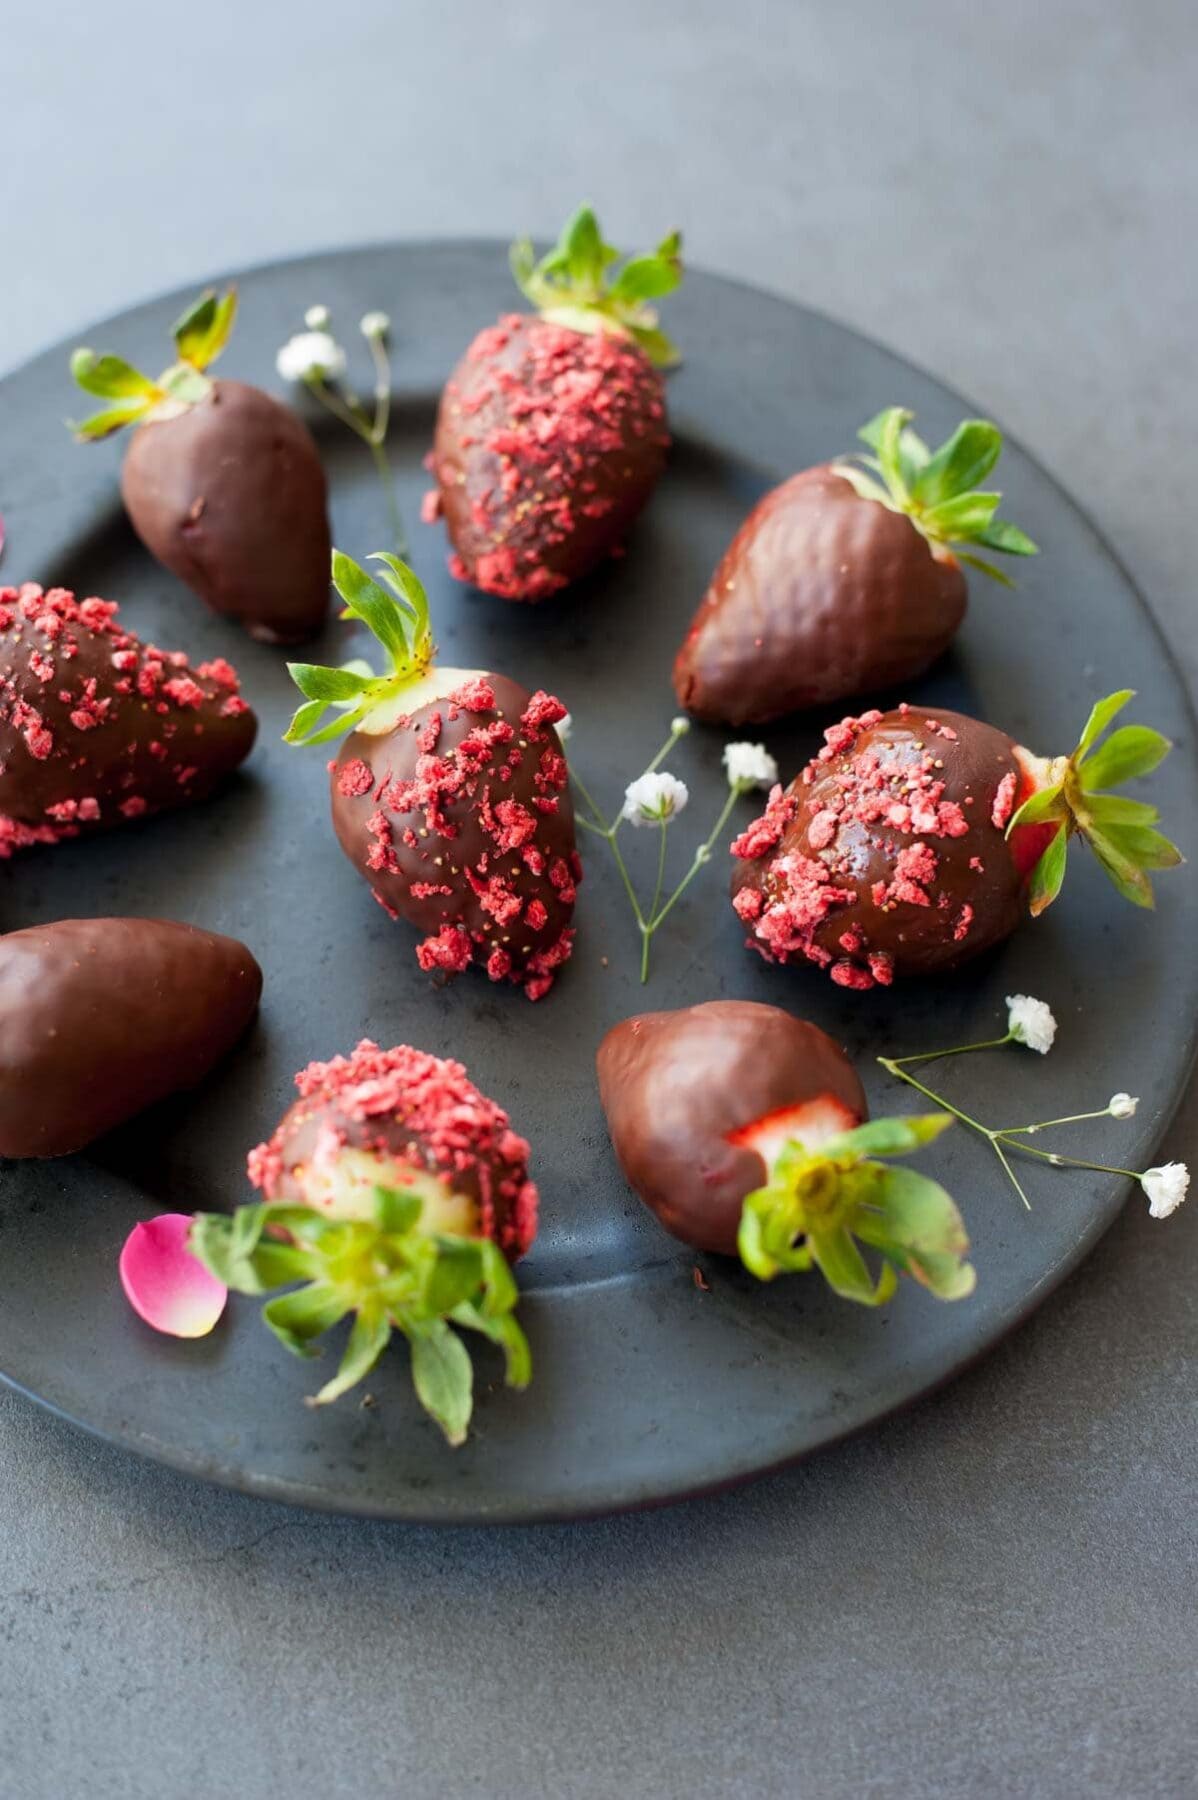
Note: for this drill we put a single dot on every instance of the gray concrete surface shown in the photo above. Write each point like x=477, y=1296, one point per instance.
x=993, y=1595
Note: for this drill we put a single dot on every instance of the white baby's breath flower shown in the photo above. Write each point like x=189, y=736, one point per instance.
x=317, y=318
x=653, y=798
x=310, y=353
x=374, y=325
x=1122, y=1106
x=749, y=765
x=1030, y=1022
x=564, y=727
x=680, y=726
x=1165, y=1187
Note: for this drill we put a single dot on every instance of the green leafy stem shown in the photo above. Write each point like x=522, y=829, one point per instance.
x=938, y=489
x=822, y=1207
x=390, y=1276
x=397, y=615
x=577, y=284
x=200, y=336
x=1121, y=832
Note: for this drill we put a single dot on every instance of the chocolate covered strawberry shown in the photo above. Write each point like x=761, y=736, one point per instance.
x=451, y=795
x=100, y=1018
x=399, y=1193
x=97, y=728
x=222, y=482
x=742, y=1129
x=551, y=434
x=918, y=838
x=845, y=579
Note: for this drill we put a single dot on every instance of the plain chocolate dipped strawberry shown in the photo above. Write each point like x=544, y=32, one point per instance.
x=97, y=728
x=742, y=1129
x=916, y=839
x=222, y=482
x=846, y=580
x=551, y=434
x=100, y=1018
x=399, y=1193
x=451, y=795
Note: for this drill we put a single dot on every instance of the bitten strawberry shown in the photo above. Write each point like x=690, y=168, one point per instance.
x=918, y=838
x=846, y=580
x=222, y=483
x=451, y=795
x=551, y=433
x=742, y=1129
x=97, y=728
x=400, y=1194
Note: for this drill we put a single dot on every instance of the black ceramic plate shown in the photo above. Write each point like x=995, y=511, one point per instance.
x=646, y=1387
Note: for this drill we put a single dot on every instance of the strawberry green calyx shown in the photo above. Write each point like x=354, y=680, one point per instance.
x=398, y=616
x=386, y=1272
x=820, y=1206
x=1075, y=797
x=938, y=489
x=200, y=336
x=576, y=284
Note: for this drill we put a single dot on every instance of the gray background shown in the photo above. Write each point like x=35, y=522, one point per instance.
x=995, y=1593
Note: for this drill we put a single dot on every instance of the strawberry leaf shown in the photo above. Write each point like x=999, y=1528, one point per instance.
x=844, y=1268
x=111, y=377
x=203, y=331
x=443, y=1376
x=1146, y=848
x=1101, y=714
x=113, y=418
x=960, y=463
x=1048, y=874
x=573, y=284
x=888, y=1137
x=368, y=1338
x=964, y=517
x=1116, y=809
x=300, y=1317
x=983, y=567
x=1045, y=803
x=1131, y=751
x=1123, y=870
x=1000, y=534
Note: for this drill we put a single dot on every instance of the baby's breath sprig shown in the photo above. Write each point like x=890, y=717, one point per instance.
x=1030, y=1022
x=653, y=801
x=314, y=357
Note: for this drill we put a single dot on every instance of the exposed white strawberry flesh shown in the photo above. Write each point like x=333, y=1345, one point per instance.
x=811, y=1123
x=435, y=684
x=341, y=1182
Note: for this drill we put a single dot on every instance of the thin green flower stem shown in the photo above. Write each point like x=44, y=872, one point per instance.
x=661, y=871
x=595, y=830
x=891, y=1066
x=351, y=415
x=1064, y=1162
x=600, y=823
x=383, y=466
x=701, y=855
x=337, y=407
x=382, y=387
x=626, y=878
x=1015, y=1181
x=957, y=1050
x=1103, y=1112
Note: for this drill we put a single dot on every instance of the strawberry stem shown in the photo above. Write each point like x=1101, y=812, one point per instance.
x=577, y=284
x=200, y=336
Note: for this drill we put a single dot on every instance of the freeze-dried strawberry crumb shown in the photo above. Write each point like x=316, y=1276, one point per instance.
x=430, y=506
x=764, y=833
x=1004, y=801
x=355, y=778
x=424, y=1107
x=448, y=950
x=542, y=709
x=477, y=696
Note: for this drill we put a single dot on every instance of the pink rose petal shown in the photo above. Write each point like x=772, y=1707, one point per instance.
x=165, y=1284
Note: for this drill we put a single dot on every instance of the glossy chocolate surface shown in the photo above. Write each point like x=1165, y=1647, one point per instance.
x=100, y=1018
x=474, y=846
x=548, y=444
x=820, y=596
x=887, y=856
x=231, y=497
x=674, y=1084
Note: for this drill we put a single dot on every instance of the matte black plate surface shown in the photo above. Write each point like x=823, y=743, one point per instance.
x=646, y=1388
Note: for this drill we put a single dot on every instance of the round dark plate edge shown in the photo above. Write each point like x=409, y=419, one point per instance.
x=633, y=1500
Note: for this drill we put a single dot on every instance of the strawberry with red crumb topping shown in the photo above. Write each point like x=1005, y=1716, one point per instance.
x=400, y=1193
x=916, y=839
x=846, y=580
x=743, y=1130
x=97, y=728
x=551, y=433
x=451, y=795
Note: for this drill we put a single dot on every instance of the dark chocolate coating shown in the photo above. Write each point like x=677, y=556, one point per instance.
x=674, y=1084
x=820, y=596
x=974, y=870
x=100, y=1018
x=231, y=496
x=548, y=444
x=372, y=831
x=97, y=727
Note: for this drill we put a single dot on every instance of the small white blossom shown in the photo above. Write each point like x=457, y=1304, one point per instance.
x=564, y=727
x=1030, y=1022
x=311, y=353
x=749, y=765
x=318, y=318
x=1122, y=1106
x=1165, y=1187
x=680, y=726
x=374, y=325
x=655, y=797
